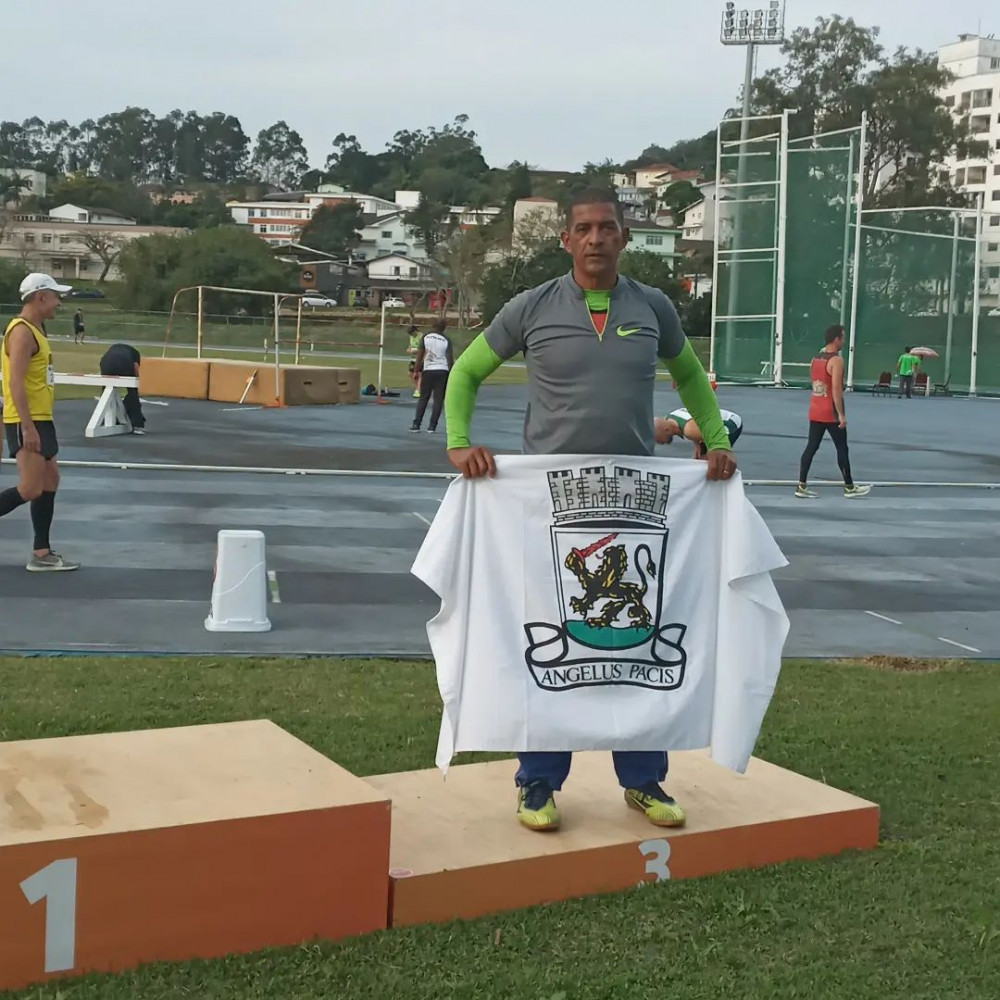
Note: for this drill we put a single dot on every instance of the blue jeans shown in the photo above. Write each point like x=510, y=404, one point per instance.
x=634, y=768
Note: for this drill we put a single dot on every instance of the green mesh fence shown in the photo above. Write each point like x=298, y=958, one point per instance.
x=746, y=258
x=819, y=244
x=915, y=279
x=916, y=284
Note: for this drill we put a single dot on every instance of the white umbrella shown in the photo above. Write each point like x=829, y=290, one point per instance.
x=925, y=352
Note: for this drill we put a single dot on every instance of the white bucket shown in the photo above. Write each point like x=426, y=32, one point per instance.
x=239, y=594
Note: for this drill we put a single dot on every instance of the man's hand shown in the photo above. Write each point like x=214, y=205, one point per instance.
x=30, y=439
x=721, y=465
x=473, y=462
x=842, y=422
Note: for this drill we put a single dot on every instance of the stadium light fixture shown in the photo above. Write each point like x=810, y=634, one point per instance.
x=753, y=25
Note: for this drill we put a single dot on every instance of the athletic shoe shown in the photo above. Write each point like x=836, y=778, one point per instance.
x=52, y=563
x=536, y=807
x=660, y=808
x=414, y=429
x=852, y=492
x=138, y=430
x=416, y=394
x=432, y=430
x=804, y=493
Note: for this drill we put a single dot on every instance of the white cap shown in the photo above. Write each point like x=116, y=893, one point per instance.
x=42, y=282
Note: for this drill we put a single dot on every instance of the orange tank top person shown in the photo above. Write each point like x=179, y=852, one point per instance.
x=821, y=407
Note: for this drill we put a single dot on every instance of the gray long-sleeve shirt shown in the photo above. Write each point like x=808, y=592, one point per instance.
x=588, y=393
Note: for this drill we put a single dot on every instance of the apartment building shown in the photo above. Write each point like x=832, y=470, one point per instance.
x=648, y=236
x=388, y=234
x=69, y=250
x=699, y=218
x=974, y=98
x=281, y=218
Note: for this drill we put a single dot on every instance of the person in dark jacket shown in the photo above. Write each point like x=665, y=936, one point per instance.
x=123, y=360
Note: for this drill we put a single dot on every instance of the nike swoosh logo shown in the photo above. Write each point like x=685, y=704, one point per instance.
x=622, y=332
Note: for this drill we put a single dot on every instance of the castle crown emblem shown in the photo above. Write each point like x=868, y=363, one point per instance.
x=624, y=495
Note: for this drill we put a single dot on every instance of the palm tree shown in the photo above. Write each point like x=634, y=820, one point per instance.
x=12, y=187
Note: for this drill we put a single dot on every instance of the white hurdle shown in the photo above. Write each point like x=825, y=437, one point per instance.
x=109, y=414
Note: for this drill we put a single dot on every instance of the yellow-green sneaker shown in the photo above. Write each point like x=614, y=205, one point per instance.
x=660, y=808
x=536, y=807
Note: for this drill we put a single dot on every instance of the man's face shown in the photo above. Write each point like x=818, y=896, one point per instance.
x=48, y=302
x=838, y=344
x=595, y=239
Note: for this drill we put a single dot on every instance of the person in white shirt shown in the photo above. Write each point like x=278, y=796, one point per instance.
x=434, y=361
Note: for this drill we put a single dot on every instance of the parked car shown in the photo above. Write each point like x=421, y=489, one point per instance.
x=394, y=303
x=86, y=293
x=314, y=300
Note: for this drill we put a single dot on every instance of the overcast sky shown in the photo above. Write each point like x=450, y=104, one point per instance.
x=553, y=82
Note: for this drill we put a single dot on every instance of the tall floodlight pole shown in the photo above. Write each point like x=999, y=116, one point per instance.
x=750, y=27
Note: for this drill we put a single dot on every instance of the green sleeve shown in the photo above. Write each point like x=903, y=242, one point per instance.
x=696, y=394
x=476, y=363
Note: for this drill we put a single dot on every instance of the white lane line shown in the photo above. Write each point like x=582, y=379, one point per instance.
x=422, y=518
x=240, y=409
x=884, y=618
x=961, y=645
x=272, y=586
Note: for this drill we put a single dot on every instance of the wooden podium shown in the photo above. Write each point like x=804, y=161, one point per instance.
x=180, y=843
x=458, y=851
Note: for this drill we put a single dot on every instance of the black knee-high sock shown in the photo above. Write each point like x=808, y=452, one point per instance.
x=41, y=518
x=10, y=499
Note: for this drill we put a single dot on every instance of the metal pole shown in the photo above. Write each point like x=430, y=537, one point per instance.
x=952, y=297
x=734, y=264
x=200, y=301
x=277, y=362
x=298, y=331
x=779, y=310
x=847, y=234
x=860, y=200
x=717, y=226
x=381, y=352
x=975, y=297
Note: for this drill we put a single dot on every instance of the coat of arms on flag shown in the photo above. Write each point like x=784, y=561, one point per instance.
x=609, y=546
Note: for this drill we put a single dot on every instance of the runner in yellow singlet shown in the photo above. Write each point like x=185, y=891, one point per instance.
x=29, y=394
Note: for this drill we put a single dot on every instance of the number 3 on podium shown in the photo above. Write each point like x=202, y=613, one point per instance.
x=56, y=884
x=658, y=854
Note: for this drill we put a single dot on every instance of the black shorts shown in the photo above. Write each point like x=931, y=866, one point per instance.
x=46, y=431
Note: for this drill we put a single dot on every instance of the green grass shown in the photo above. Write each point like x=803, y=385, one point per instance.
x=918, y=918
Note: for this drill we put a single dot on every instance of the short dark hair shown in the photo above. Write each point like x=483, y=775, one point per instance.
x=413, y=329
x=595, y=196
x=439, y=325
x=832, y=333
x=906, y=350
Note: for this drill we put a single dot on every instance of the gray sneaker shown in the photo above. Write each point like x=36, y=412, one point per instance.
x=52, y=563
x=852, y=492
x=138, y=430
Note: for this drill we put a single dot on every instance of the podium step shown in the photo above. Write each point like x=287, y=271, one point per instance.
x=179, y=843
x=458, y=851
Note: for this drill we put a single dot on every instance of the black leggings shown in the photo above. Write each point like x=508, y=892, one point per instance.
x=839, y=436
x=432, y=384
